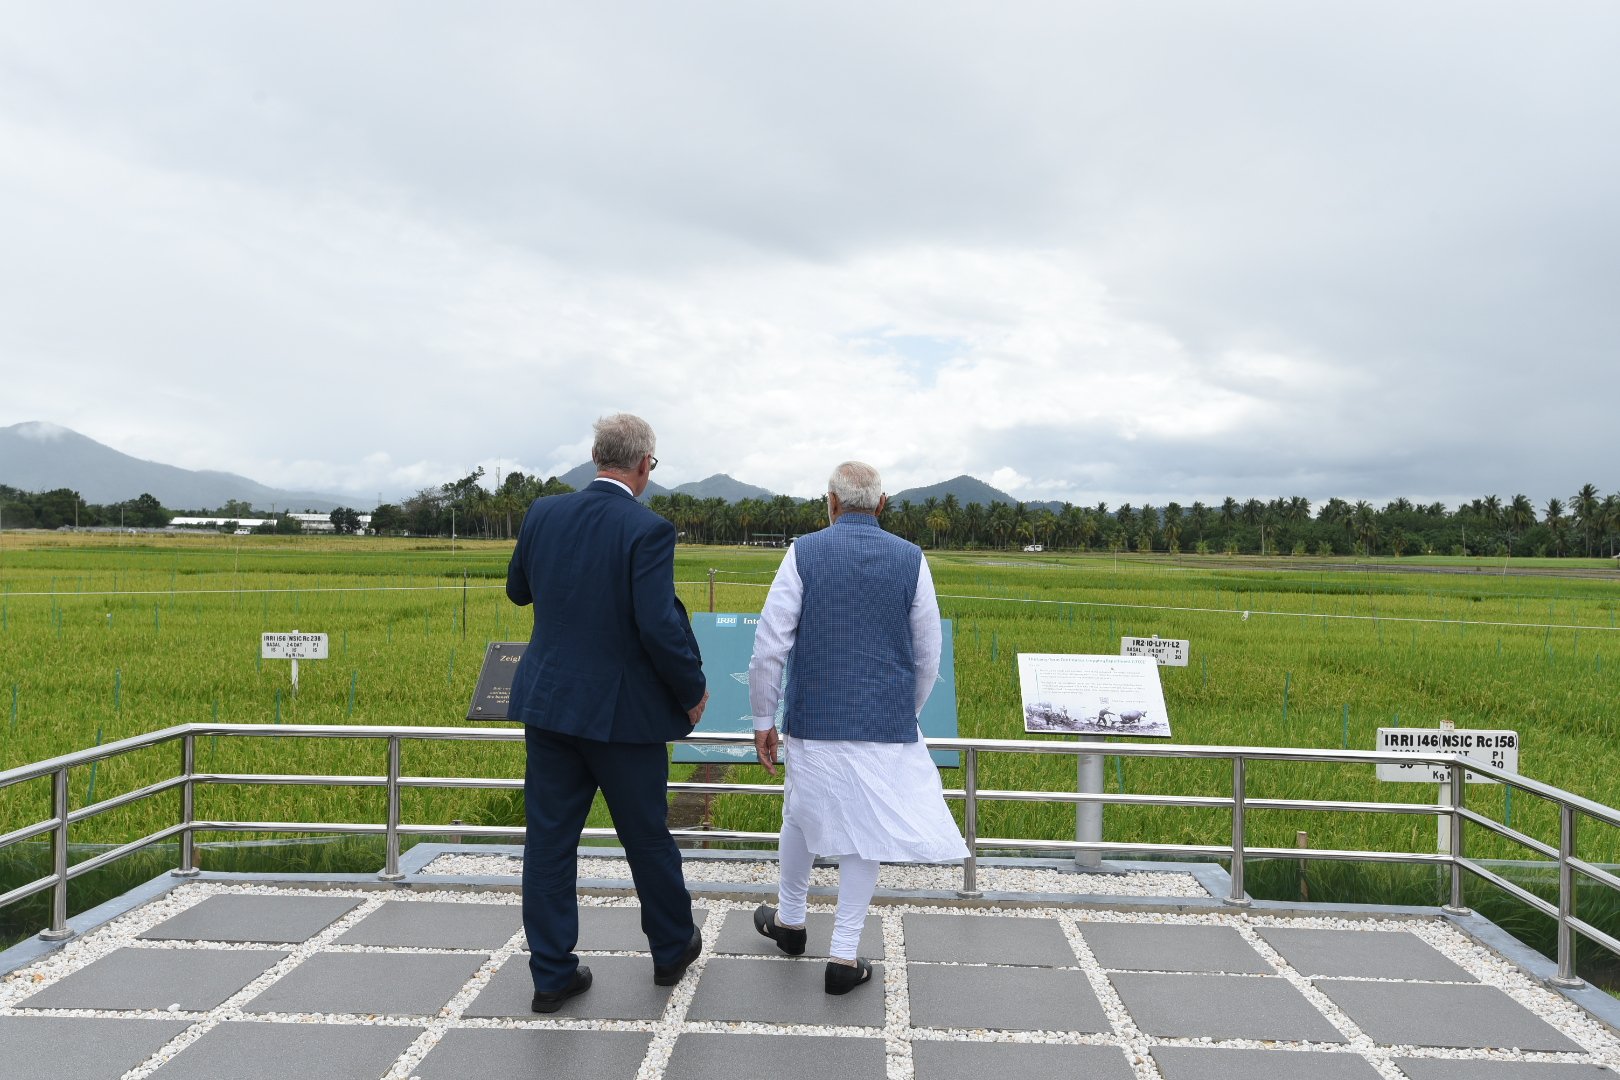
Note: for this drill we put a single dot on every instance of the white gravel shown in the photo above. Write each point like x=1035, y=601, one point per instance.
x=1600, y=1044
x=991, y=879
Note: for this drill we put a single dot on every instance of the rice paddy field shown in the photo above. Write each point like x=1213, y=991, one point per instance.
x=103, y=637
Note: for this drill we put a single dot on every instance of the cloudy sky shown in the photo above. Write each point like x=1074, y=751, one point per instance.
x=1122, y=251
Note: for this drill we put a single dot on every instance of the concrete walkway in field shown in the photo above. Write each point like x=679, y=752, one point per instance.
x=349, y=978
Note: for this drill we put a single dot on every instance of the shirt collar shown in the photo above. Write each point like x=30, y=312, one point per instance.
x=620, y=483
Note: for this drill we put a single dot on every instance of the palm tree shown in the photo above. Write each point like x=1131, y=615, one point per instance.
x=1200, y=519
x=1584, y=505
x=973, y=519
x=1229, y=511
x=1555, y=523
x=1608, y=522
x=1365, y=525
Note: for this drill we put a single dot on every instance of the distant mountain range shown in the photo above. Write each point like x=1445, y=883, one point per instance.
x=718, y=486
x=37, y=456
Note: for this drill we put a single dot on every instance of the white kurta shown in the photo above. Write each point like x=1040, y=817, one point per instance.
x=875, y=800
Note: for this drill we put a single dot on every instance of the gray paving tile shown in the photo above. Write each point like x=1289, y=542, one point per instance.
x=1379, y=954
x=704, y=1056
x=244, y=1050
x=1003, y=998
x=385, y=984
x=272, y=920
x=1206, y=1063
x=1171, y=947
x=604, y=929
x=987, y=939
x=739, y=938
x=437, y=924
x=579, y=1055
x=1221, y=1007
x=195, y=979
x=79, y=1048
x=1018, y=1061
x=1431, y=1069
x=622, y=989
x=782, y=991
x=1428, y=1014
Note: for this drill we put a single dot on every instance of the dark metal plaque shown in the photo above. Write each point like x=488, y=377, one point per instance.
x=494, y=690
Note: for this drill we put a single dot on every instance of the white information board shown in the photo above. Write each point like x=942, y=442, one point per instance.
x=1171, y=652
x=1499, y=749
x=1081, y=694
x=293, y=646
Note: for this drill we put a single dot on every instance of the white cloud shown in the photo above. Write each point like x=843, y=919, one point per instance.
x=1134, y=253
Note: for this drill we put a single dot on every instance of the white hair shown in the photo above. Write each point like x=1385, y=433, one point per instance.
x=622, y=440
x=857, y=486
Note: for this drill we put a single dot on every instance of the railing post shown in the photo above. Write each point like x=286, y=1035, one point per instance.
x=711, y=588
x=390, y=871
x=1237, y=897
x=59, y=859
x=188, y=809
x=1458, y=777
x=1566, y=976
x=970, y=818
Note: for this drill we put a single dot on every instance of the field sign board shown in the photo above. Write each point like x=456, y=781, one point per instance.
x=727, y=643
x=1081, y=694
x=494, y=691
x=1170, y=652
x=1499, y=749
x=293, y=646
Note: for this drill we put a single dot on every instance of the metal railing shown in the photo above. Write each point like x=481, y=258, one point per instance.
x=1571, y=869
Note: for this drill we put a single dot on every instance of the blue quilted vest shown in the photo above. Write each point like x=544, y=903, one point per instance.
x=851, y=674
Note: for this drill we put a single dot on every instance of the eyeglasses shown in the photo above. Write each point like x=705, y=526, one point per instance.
x=654, y=464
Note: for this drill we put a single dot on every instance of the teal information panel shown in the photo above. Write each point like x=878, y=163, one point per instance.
x=727, y=641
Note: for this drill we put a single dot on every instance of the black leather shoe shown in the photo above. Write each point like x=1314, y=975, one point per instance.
x=790, y=941
x=841, y=978
x=669, y=976
x=549, y=1001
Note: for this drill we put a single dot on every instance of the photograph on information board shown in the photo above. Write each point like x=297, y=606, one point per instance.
x=1079, y=694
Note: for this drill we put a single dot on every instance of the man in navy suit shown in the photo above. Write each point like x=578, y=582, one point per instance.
x=610, y=676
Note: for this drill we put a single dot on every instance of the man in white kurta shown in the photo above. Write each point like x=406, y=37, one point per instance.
x=853, y=620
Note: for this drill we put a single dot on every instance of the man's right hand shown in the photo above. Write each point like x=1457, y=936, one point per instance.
x=695, y=713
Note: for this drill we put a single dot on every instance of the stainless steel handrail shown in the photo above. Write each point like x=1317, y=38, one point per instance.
x=1571, y=808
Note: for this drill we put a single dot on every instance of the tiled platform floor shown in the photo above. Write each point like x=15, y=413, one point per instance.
x=217, y=981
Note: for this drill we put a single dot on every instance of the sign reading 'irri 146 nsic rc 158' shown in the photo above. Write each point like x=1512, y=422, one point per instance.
x=1499, y=749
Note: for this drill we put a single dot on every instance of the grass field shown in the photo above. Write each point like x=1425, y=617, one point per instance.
x=105, y=637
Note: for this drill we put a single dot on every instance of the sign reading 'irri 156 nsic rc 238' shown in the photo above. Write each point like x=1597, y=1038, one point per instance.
x=293, y=646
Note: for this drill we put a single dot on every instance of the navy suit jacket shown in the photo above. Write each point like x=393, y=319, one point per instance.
x=612, y=657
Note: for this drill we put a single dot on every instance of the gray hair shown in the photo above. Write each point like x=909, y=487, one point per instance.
x=857, y=486
x=622, y=440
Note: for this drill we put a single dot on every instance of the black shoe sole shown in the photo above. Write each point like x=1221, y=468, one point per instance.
x=787, y=939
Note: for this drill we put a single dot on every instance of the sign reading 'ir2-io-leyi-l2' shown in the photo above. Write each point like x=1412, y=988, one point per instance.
x=1169, y=652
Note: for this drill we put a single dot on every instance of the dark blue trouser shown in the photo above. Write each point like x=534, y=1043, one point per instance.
x=561, y=777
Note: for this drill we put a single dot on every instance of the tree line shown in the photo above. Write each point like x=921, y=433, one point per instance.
x=1585, y=524
x=1588, y=524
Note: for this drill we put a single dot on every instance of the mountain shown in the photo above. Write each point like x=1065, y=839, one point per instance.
x=38, y=456
x=967, y=489
x=580, y=475
x=721, y=486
